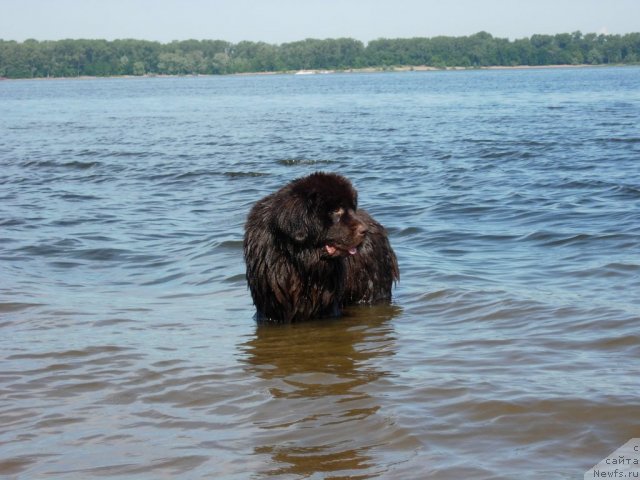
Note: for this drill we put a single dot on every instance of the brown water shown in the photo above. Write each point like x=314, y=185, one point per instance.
x=129, y=348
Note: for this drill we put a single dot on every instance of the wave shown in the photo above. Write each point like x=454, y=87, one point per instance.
x=290, y=162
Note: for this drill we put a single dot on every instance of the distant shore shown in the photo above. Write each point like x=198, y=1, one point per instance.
x=402, y=68
x=428, y=68
x=132, y=57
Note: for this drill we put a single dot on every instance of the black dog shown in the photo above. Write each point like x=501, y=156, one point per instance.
x=309, y=251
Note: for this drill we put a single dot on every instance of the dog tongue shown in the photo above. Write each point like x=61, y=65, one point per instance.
x=331, y=250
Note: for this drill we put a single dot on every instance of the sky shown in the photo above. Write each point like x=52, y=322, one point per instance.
x=280, y=21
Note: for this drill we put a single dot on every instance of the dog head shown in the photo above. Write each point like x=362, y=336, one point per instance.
x=319, y=211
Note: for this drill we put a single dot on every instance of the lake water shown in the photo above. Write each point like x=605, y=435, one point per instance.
x=128, y=345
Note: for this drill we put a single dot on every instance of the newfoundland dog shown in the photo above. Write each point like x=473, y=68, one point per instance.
x=309, y=251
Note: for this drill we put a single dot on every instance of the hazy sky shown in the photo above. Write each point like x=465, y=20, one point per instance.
x=278, y=21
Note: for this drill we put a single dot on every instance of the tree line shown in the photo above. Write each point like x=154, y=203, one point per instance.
x=70, y=58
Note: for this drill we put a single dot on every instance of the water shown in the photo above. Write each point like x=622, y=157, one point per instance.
x=128, y=347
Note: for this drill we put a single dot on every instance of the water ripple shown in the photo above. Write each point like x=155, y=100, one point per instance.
x=512, y=199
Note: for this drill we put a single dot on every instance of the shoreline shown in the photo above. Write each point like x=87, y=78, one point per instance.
x=307, y=72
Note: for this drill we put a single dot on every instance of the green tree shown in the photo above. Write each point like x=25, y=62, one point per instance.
x=66, y=58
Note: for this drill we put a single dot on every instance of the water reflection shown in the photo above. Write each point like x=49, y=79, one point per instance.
x=322, y=413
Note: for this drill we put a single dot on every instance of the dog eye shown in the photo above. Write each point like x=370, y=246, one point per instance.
x=336, y=215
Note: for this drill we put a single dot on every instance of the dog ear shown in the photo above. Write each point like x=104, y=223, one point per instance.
x=297, y=220
x=289, y=219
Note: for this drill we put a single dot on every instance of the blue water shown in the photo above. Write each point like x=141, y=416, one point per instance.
x=128, y=346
